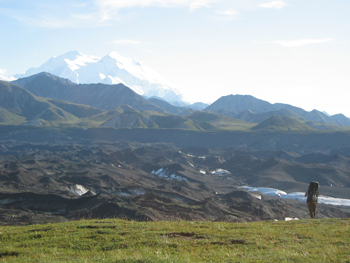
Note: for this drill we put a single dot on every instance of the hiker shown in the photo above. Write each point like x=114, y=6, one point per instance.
x=312, y=198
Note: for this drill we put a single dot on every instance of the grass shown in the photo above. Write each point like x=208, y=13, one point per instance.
x=113, y=240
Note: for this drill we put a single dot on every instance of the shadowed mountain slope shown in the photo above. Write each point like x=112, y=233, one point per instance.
x=78, y=110
x=21, y=102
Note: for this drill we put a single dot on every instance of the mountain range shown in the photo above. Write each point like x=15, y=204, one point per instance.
x=110, y=69
x=115, y=69
x=45, y=99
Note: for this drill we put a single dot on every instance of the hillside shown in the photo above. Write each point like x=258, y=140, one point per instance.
x=250, y=116
x=277, y=123
x=113, y=240
x=18, y=101
x=214, y=121
x=9, y=118
x=78, y=110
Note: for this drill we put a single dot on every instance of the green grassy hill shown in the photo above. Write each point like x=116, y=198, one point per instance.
x=184, y=241
x=278, y=123
x=22, y=103
x=214, y=121
x=9, y=118
x=78, y=110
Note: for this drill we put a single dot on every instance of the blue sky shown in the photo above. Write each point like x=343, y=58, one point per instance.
x=289, y=51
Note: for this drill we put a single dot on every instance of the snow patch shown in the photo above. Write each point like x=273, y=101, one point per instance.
x=131, y=191
x=191, y=164
x=102, y=76
x=77, y=189
x=166, y=174
x=300, y=196
x=256, y=195
x=266, y=191
x=291, y=219
x=221, y=172
x=202, y=172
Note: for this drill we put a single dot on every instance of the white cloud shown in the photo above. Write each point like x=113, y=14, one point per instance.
x=229, y=13
x=199, y=4
x=131, y=3
x=109, y=7
x=278, y=4
x=296, y=43
x=52, y=15
x=125, y=41
x=3, y=77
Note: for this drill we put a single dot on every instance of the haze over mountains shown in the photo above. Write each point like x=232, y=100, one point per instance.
x=110, y=69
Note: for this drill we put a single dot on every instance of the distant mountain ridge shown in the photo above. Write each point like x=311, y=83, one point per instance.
x=110, y=69
x=249, y=108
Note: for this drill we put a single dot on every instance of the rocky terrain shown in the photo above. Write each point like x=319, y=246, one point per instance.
x=158, y=181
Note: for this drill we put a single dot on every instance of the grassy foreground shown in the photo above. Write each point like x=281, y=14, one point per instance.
x=113, y=240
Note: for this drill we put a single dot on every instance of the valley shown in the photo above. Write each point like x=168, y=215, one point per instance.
x=70, y=151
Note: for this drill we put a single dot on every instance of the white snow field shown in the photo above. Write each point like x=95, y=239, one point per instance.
x=300, y=196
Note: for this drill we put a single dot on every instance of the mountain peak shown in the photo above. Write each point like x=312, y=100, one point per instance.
x=111, y=69
x=115, y=55
x=124, y=62
x=70, y=55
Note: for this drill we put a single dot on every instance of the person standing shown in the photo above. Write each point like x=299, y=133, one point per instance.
x=312, y=198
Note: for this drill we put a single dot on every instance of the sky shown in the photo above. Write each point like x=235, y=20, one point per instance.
x=288, y=51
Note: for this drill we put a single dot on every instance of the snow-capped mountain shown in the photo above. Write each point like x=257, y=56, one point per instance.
x=3, y=77
x=110, y=69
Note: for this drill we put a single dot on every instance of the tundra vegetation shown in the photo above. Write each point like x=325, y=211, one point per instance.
x=116, y=240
